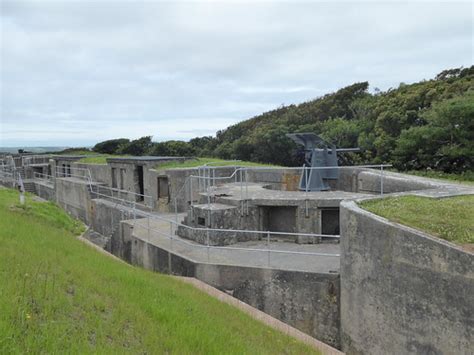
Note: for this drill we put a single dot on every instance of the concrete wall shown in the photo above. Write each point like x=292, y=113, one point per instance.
x=105, y=219
x=284, y=179
x=45, y=190
x=177, y=178
x=73, y=195
x=402, y=291
x=99, y=172
x=369, y=181
x=304, y=300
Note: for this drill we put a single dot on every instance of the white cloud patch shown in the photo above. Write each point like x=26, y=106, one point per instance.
x=78, y=72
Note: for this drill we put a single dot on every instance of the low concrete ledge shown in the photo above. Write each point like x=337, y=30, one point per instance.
x=402, y=290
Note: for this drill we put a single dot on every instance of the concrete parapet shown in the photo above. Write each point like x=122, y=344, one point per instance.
x=402, y=291
x=74, y=196
x=45, y=190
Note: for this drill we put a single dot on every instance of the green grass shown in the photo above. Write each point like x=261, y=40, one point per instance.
x=76, y=151
x=99, y=159
x=463, y=178
x=211, y=161
x=58, y=295
x=451, y=218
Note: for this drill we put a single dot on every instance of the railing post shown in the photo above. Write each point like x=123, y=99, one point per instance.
x=148, y=228
x=381, y=180
x=246, y=192
x=241, y=193
x=306, y=191
x=134, y=212
x=268, y=248
x=176, y=209
x=191, y=196
x=169, y=253
x=208, y=245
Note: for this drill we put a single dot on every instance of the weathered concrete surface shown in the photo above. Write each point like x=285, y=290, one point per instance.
x=98, y=172
x=73, y=195
x=262, y=317
x=177, y=179
x=105, y=219
x=45, y=190
x=402, y=291
x=306, y=300
x=251, y=253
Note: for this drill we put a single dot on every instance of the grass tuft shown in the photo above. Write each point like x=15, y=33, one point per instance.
x=451, y=218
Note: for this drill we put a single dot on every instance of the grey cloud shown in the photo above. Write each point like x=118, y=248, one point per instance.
x=95, y=67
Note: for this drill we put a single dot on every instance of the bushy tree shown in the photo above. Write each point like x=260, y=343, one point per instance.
x=172, y=148
x=110, y=146
x=445, y=143
x=136, y=147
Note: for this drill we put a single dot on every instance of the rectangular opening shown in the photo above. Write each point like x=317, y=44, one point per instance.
x=330, y=221
x=114, y=177
x=278, y=219
x=122, y=179
x=163, y=187
x=37, y=170
x=64, y=170
x=140, y=183
x=201, y=221
x=69, y=170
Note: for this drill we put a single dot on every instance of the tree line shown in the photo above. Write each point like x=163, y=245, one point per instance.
x=425, y=125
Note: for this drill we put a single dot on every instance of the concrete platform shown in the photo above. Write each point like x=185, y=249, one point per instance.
x=258, y=194
x=248, y=254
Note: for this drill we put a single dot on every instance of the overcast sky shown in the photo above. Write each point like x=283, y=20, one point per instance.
x=77, y=72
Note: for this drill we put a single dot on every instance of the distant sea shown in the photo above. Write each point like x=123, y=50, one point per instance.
x=37, y=150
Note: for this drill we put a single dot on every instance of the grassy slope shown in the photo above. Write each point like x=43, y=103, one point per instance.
x=210, y=161
x=464, y=178
x=99, y=159
x=449, y=218
x=58, y=295
x=102, y=159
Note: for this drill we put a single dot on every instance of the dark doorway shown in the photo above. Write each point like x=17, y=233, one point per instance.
x=37, y=171
x=330, y=221
x=141, y=185
x=163, y=188
x=114, y=177
x=278, y=219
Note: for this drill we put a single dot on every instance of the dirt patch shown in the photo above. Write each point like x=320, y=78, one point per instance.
x=468, y=247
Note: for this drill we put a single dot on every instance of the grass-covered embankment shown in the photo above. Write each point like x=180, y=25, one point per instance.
x=58, y=295
x=99, y=159
x=194, y=163
x=466, y=177
x=451, y=218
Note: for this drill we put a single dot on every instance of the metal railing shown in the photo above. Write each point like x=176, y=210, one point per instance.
x=207, y=179
x=42, y=176
x=34, y=159
x=142, y=201
x=142, y=219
